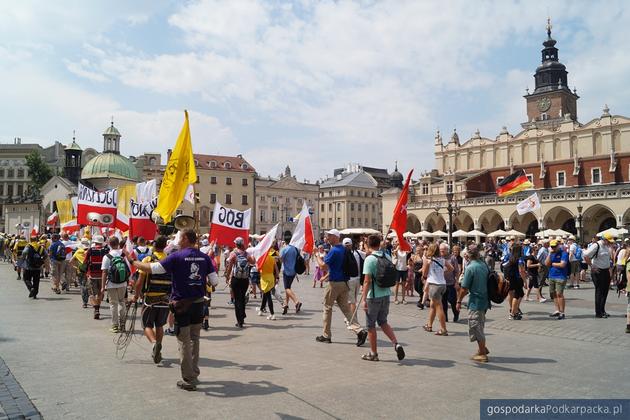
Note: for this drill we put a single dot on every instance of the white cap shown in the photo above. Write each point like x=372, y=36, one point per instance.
x=333, y=232
x=347, y=241
x=98, y=239
x=204, y=242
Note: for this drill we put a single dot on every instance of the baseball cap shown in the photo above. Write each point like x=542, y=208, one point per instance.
x=333, y=232
x=608, y=236
x=526, y=242
x=98, y=239
x=204, y=242
x=347, y=241
x=553, y=243
x=239, y=241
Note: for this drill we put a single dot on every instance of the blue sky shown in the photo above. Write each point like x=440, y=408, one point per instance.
x=312, y=84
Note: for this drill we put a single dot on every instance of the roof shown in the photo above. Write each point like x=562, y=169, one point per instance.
x=111, y=130
x=109, y=165
x=234, y=163
x=359, y=179
x=74, y=146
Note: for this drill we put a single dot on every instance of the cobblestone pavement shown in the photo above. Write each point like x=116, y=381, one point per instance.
x=66, y=362
x=14, y=403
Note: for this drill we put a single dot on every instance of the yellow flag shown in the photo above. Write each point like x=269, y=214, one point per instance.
x=64, y=208
x=125, y=192
x=180, y=172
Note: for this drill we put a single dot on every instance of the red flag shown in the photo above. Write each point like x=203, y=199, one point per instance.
x=229, y=224
x=399, y=219
x=122, y=221
x=302, y=237
x=96, y=208
x=53, y=218
x=261, y=251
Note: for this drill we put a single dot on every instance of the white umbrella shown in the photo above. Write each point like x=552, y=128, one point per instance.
x=460, y=234
x=359, y=231
x=560, y=232
x=424, y=234
x=438, y=234
x=476, y=233
x=614, y=232
x=409, y=235
x=497, y=233
x=622, y=231
x=514, y=233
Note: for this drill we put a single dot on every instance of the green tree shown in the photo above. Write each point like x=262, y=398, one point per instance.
x=39, y=170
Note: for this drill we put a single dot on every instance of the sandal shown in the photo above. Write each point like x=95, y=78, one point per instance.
x=372, y=357
x=427, y=328
x=442, y=332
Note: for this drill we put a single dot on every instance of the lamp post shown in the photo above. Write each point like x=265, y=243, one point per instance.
x=449, y=209
x=579, y=220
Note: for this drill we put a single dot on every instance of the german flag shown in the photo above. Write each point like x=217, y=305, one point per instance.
x=513, y=183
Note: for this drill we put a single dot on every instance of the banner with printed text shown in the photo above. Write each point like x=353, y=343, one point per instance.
x=96, y=208
x=140, y=223
x=228, y=224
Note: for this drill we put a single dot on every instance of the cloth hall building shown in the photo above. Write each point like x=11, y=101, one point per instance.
x=581, y=170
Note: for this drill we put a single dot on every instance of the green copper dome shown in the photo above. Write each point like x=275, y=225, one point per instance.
x=109, y=165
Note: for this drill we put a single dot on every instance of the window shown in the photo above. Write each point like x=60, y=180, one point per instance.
x=329, y=193
x=544, y=116
x=373, y=207
x=274, y=199
x=274, y=216
x=499, y=179
x=330, y=206
x=352, y=193
x=365, y=194
x=1, y=173
x=20, y=189
x=244, y=200
x=530, y=178
x=11, y=173
x=352, y=221
x=213, y=179
x=288, y=200
x=197, y=197
x=338, y=206
x=330, y=222
x=425, y=189
x=197, y=181
x=10, y=190
x=323, y=207
x=20, y=173
x=449, y=186
x=227, y=165
x=366, y=222
x=299, y=202
x=213, y=198
x=228, y=198
x=245, y=166
x=262, y=215
x=359, y=207
x=338, y=221
x=322, y=223
x=178, y=212
x=228, y=181
x=262, y=198
x=244, y=182
x=351, y=206
x=213, y=164
x=560, y=179
x=596, y=176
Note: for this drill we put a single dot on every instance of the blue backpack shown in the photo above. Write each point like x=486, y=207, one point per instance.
x=578, y=253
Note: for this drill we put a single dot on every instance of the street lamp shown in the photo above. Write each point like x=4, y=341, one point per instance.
x=451, y=208
x=579, y=220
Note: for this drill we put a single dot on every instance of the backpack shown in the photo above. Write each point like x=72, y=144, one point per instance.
x=578, y=253
x=350, y=267
x=58, y=251
x=498, y=287
x=118, y=270
x=141, y=255
x=386, y=273
x=300, y=264
x=34, y=259
x=241, y=267
x=621, y=282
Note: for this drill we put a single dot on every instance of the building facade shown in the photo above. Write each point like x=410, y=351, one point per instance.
x=279, y=200
x=20, y=218
x=581, y=171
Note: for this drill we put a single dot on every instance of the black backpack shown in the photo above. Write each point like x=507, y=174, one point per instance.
x=498, y=287
x=350, y=267
x=300, y=264
x=386, y=273
x=34, y=259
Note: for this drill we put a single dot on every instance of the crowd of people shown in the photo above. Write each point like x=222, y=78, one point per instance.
x=173, y=279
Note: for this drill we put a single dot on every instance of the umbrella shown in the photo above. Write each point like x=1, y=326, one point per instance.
x=409, y=235
x=359, y=231
x=497, y=233
x=514, y=233
x=614, y=232
x=560, y=232
x=476, y=233
x=460, y=234
x=424, y=234
x=439, y=233
x=622, y=231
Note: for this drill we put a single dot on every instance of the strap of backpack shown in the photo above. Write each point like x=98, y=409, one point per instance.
x=437, y=262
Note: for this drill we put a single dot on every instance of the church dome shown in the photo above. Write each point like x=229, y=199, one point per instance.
x=111, y=131
x=396, y=178
x=110, y=165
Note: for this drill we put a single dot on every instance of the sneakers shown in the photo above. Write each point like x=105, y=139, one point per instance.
x=400, y=352
x=114, y=329
x=156, y=353
x=205, y=325
x=543, y=300
x=420, y=305
x=322, y=339
x=456, y=317
x=555, y=314
x=361, y=337
x=298, y=307
x=271, y=317
x=561, y=316
x=169, y=331
x=259, y=312
x=186, y=386
x=481, y=358
x=285, y=309
x=97, y=315
x=371, y=357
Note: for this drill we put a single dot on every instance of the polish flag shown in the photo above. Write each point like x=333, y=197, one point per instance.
x=399, y=219
x=229, y=224
x=70, y=226
x=53, y=218
x=131, y=255
x=140, y=223
x=261, y=251
x=302, y=237
x=122, y=221
x=35, y=231
x=96, y=208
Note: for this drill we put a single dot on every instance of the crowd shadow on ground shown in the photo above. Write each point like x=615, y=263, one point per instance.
x=217, y=364
x=234, y=389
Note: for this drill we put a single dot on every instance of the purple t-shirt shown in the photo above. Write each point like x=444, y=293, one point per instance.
x=189, y=269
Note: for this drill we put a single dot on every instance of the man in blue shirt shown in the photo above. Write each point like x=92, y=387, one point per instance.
x=558, y=263
x=337, y=290
x=288, y=255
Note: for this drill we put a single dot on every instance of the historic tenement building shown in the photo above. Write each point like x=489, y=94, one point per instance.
x=581, y=170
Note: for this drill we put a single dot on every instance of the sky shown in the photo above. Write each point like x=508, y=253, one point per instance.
x=311, y=84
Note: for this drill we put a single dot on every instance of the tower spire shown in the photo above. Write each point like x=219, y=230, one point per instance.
x=549, y=26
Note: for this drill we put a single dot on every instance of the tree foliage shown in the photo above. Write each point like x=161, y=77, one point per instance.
x=39, y=170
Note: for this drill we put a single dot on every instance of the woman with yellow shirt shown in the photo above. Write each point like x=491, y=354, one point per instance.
x=268, y=274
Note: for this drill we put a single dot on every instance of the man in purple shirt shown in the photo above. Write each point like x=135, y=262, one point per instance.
x=189, y=269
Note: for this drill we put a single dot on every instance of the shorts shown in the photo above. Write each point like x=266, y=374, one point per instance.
x=533, y=282
x=354, y=285
x=436, y=291
x=94, y=286
x=154, y=317
x=254, y=277
x=194, y=315
x=287, y=281
x=575, y=267
x=378, y=309
x=556, y=286
x=583, y=266
x=402, y=276
x=476, y=325
x=516, y=286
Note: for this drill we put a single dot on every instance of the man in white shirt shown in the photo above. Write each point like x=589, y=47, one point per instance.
x=599, y=257
x=574, y=264
x=354, y=284
x=115, y=284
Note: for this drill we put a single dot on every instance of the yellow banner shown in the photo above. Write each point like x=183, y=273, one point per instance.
x=64, y=208
x=125, y=193
x=180, y=172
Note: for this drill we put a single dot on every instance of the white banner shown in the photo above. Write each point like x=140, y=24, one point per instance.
x=142, y=210
x=231, y=218
x=531, y=203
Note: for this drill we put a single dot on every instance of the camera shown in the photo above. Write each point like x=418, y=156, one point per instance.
x=98, y=218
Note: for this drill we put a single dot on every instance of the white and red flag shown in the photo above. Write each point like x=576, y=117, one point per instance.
x=261, y=251
x=70, y=226
x=399, y=219
x=302, y=237
x=35, y=231
x=228, y=224
x=96, y=208
x=53, y=218
x=122, y=221
x=140, y=223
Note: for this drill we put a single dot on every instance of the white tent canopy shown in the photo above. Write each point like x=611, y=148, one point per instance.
x=438, y=234
x=515, y=233
x=360, y=231
x=476, y=233
x=497, y=233
x=460, y=234
x=614, y=232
